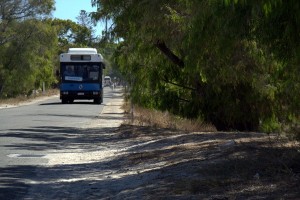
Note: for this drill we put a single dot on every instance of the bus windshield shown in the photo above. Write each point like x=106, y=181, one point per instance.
x=80, y=72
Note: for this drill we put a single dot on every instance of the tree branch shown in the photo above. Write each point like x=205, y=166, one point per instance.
x=161, y=45
x=182, y=86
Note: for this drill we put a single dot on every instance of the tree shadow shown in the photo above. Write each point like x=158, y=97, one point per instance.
x=152, y=163
x=50, y=104
x=12, y=186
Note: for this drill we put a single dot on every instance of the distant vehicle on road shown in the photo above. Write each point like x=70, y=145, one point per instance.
x=81, y=72
x=107, y=81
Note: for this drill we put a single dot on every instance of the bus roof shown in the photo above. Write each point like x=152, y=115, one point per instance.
x=82, y=51
x=81, y=55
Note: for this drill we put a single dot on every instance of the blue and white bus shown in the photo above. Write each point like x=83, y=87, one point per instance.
x=81, y=72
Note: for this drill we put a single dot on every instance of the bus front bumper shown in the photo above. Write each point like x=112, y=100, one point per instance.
x=80, y=94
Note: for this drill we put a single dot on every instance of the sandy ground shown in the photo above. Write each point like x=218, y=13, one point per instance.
x=107, y=159
x=28, y=102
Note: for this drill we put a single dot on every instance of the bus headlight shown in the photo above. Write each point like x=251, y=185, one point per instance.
x=65, y=93
x=95, y=93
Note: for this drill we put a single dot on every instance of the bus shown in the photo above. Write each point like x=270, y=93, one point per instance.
x=81, y=72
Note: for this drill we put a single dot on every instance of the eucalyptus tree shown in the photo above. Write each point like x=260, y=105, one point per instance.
x=88, y=25
x=71, y=34
x=18, y=10
x=275, y=27
x=217, y=60
x=27, y=45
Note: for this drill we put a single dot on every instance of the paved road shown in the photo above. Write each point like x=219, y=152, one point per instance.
x=28, y=133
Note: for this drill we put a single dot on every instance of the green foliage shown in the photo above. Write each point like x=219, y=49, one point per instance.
x=107, y=50
x=71, y=34
x=28, y=46
x=28, y=60
x=232, y=62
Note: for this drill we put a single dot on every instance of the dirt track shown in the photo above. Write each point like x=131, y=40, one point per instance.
x=131, y=162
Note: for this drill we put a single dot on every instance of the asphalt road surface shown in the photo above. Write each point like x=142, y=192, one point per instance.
x=29, y=132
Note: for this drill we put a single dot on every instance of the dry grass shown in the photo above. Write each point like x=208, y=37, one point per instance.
x=158, y=119
x=24, y=98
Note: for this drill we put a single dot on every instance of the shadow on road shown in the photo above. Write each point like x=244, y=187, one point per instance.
x=11, y=186
x=152, y=163
x=75, y=102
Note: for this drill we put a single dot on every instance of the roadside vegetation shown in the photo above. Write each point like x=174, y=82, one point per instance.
x=24, y=98
x=233, y=64
x=141, y=116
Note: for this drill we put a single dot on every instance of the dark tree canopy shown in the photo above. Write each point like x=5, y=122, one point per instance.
x=234, y=63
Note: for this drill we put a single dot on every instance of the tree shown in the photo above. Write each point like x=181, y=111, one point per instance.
x=276, y=30
x=16, y=10
x=72, y=34
x=104, y=17
x=85, y=21
x=26, y=57
x=215, y=60
x=29, y=61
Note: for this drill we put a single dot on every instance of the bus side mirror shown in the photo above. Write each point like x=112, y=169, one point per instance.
x=103, y=65
x=57, y=73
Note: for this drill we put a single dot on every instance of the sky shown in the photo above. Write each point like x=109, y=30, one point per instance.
x=70, y=9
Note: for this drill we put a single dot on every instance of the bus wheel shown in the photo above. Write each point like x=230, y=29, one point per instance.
x=97, y=101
